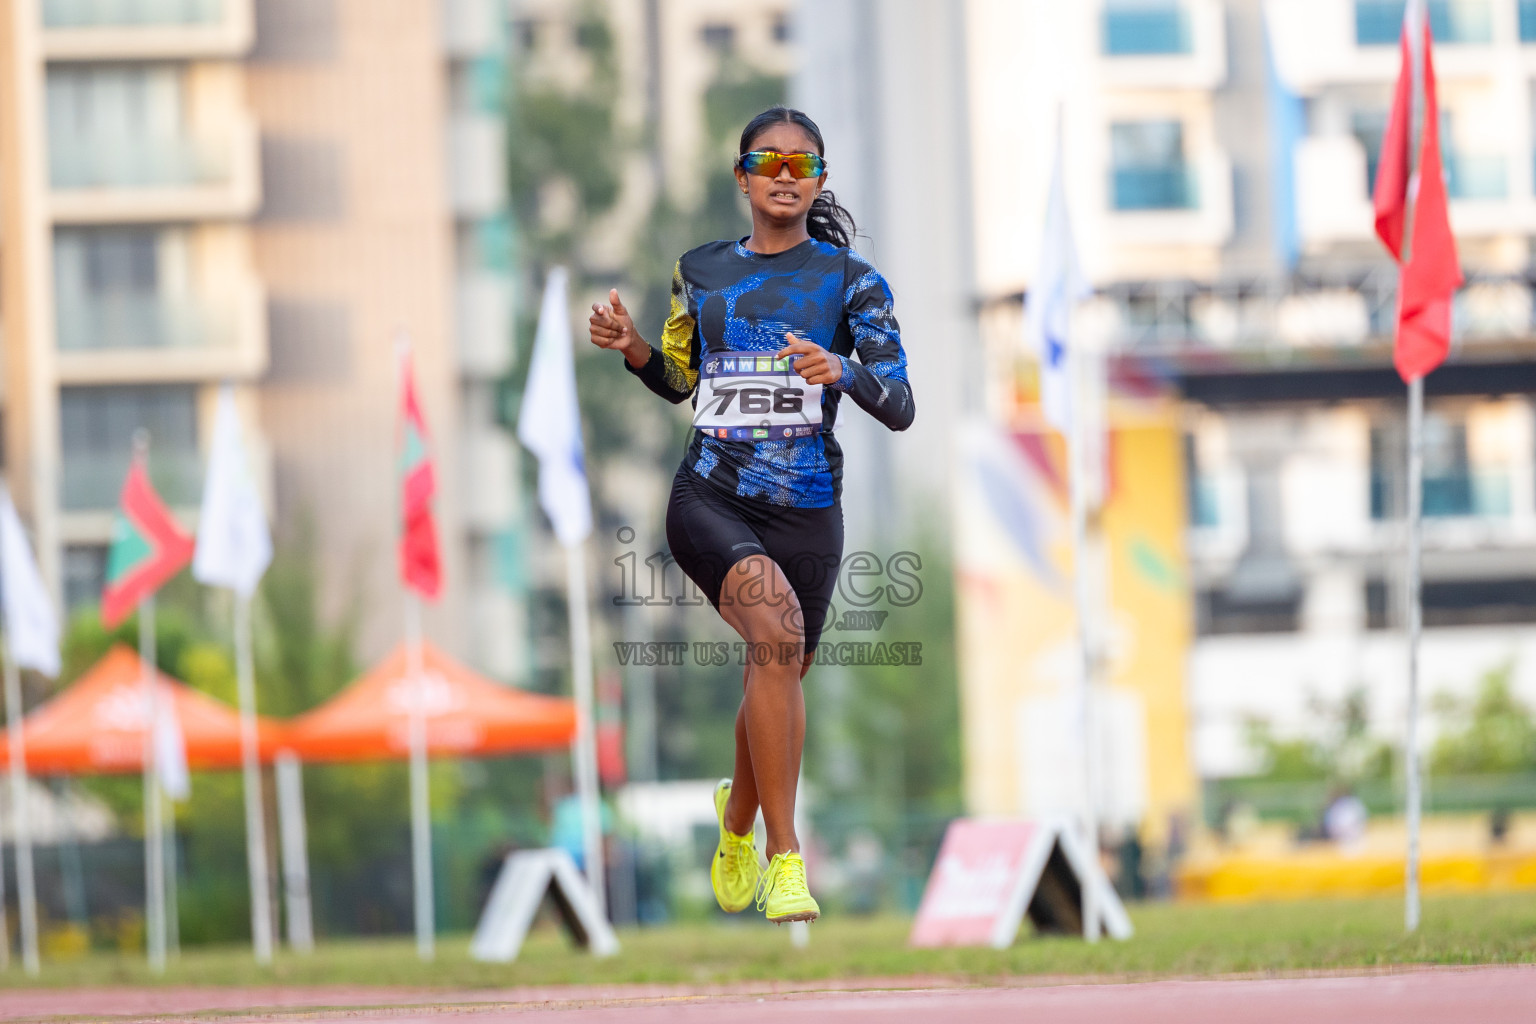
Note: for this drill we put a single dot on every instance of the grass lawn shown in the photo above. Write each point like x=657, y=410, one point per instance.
x=1171, y=939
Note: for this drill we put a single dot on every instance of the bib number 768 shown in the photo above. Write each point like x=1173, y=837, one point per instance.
x=759, y=399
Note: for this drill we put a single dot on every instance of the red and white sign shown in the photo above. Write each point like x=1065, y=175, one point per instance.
x=986, y=873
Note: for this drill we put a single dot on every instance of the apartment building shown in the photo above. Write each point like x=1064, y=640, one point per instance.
x=1219, y=157
x=269, y=193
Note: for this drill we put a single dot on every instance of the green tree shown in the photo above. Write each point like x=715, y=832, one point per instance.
x=1491, y=733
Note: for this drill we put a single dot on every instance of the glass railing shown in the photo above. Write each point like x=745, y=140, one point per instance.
x=1380, y=22
x=1467, y=175
x=92, y=481
x=1480, y=493
x=1476, y=176
x=140, y=322
x=1154, y=188
x=1146, y=29
x=135, y=162
x=104, y=13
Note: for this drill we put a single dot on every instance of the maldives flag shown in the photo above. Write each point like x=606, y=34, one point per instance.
x=148, y=547
x=421, y=566
x=1404, y=201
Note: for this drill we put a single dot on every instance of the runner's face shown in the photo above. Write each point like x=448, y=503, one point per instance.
x=785, y=200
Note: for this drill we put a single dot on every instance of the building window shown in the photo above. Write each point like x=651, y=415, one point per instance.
x=1369, y=127
x=110, y=289
x=1139, y=28
x=1380, y=22
x=85, y=572
x=526, y=32
x=1150, y=171
x=97, y=426
x=719, y=37
x=1452, y=486
x=1528, y=21
x=1220, y=612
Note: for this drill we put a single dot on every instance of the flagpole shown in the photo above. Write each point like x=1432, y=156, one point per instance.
x=255, y=819
x=585, y=752
x=1078, y=496
x=1414, y=15
x=421, y=825
x=26, y=884
x=154, y=860
x=1415, y=617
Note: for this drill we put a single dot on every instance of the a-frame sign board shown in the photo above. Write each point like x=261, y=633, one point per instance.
x=525, y=877
x=990, y=874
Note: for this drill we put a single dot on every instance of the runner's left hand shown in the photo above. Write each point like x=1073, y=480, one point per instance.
x=816, y=364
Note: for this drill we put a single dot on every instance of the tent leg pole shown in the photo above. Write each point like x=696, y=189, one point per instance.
x=255, y=819
x=295, y=847
x=154, y=854
x=421, y=814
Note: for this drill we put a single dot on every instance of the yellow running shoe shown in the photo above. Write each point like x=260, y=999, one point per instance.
x=733, y=873
x=782, y=894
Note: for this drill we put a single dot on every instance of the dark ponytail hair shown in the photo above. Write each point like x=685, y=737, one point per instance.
x=827, y=220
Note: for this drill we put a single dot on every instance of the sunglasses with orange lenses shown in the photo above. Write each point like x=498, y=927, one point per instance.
x=768, y=163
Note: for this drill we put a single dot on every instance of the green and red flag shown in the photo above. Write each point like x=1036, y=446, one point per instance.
x=148, y=547
x=421, y=566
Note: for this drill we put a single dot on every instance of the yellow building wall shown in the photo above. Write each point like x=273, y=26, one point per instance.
x=1017, y=627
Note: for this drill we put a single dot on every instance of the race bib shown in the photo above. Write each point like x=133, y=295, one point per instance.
x=751, y=396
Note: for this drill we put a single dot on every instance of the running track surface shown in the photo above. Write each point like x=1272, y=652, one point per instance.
x=1486, y=995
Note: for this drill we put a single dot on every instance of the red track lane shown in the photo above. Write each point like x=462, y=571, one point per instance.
x=1485, y=995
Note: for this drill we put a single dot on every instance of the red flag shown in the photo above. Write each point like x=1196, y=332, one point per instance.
x=421, y=566
x=1432, y=273
x=148, y=547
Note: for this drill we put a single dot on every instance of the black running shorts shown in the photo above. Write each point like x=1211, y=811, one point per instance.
x=709, y=531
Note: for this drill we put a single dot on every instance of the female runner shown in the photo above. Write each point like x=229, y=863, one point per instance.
x=754, y=517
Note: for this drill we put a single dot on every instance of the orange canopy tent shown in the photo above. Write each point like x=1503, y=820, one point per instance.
x=467, y=715
x=97, y=726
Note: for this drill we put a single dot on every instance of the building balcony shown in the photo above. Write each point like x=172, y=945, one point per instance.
x=136, y=180
x=1163, y=44
x=472, y=28
x=1333, y=198
x=146, y=29
x=157, y=338
x=1481, y=493
x=483, y=307
x=477, y=171
x=1476, y=176
x=1155, y=188
x=1173, y=205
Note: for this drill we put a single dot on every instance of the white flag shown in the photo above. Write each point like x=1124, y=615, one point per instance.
x=233, y=544
x=1058, y=287
x=31, y=628
x=549, y=424
x=171, y=749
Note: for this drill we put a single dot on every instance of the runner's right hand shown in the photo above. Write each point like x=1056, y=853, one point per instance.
x=611, y=326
